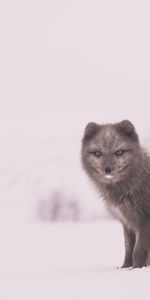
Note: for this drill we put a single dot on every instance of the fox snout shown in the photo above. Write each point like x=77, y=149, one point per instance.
x=108, y=170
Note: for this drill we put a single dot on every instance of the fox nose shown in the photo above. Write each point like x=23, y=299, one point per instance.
x=107, y=170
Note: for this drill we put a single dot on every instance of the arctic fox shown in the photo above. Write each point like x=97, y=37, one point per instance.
x=116, y=162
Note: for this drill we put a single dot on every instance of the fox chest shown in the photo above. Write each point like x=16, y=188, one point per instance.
x=117, y=213
x=124, y=214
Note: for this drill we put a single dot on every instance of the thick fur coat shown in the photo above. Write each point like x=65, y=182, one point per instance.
x=120, y=168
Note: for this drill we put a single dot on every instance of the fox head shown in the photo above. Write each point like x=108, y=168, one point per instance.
x=110, y=152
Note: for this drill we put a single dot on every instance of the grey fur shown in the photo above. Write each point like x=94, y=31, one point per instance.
x=123, y=180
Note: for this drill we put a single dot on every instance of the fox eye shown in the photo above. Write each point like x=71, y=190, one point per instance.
x=98, y=153
x=119, y=152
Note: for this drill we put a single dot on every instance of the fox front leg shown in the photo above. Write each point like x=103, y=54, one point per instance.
x=129, y=239
x=141, y=249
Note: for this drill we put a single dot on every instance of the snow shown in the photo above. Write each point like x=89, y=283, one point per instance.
x=64, y=64
x=67, y=261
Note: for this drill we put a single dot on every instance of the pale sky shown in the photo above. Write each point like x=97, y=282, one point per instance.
x=64, y=63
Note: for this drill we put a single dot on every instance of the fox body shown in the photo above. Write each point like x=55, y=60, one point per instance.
x=120, y=168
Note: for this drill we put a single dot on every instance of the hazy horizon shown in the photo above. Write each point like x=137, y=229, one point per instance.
x=64, y=63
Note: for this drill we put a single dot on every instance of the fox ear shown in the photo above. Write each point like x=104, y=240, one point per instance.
x=90, y=130
x=126, y=127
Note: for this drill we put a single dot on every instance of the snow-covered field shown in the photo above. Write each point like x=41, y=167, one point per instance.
x=67, y=261
x=64, y=64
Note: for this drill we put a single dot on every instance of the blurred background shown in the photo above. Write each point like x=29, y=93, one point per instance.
x=62, y=65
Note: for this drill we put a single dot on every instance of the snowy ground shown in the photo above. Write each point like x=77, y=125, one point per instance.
x=56, y=261
x=67, y=261
x=64, y=64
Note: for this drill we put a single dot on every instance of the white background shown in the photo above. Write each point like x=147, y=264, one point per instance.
x=63, y=64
